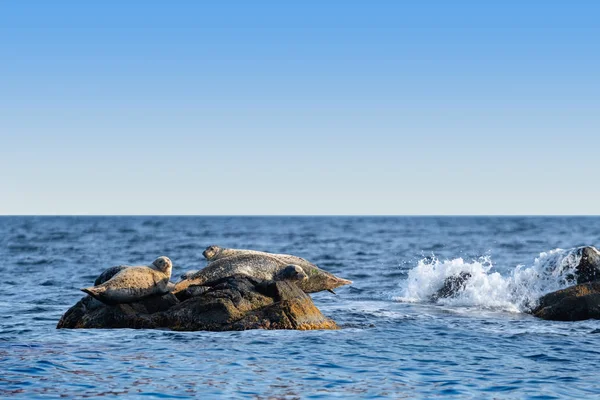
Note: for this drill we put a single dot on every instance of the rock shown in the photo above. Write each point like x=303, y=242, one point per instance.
x=588, y=269
x=574, y=303
x=452, y=286
x=91, y=313
x=232, y=303
x=76, y=313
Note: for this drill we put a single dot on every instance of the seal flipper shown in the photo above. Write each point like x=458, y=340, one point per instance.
x=95, y=291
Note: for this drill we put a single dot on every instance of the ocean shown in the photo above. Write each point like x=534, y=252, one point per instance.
x=394, y=341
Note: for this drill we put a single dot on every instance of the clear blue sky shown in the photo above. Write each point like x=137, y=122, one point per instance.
x=316, y=107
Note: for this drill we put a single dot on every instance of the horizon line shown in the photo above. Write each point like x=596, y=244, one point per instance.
x=299, y=215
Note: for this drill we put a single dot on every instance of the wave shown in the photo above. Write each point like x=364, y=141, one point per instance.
x=487, y=288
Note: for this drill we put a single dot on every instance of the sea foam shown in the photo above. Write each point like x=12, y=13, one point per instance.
x=517, y=291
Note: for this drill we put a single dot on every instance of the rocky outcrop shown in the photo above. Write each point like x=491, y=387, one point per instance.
x=232, y=303
x=588, y=269
x=578, y=302
x=574, y=303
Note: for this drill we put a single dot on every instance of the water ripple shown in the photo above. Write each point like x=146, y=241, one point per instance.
x=384, y=349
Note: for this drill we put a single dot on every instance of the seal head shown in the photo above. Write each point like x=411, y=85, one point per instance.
x=163, y=264
x=291, y=273
x=211, y=252
x=188, y=274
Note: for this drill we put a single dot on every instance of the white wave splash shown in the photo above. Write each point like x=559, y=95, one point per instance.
x=486, y=288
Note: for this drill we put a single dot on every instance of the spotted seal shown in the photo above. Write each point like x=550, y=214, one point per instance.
x=214, y=253
x=188, y=274
x=134, y=283
x=291, y=273
x=109, y=273
x=264, y=266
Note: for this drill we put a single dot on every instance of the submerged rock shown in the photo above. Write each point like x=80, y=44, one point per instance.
x=453, y=285
x=233, y=303
x=574, y=303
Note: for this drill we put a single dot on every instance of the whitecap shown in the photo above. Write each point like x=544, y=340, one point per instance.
x=486, y=287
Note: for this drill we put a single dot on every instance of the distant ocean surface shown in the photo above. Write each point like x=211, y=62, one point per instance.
x=393, y=341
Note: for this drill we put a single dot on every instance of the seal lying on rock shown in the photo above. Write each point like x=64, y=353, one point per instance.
x=214, y=253
x=291, y=273
x=188, y=274
x=263, y=266
x=109, y=273
x=132, y=284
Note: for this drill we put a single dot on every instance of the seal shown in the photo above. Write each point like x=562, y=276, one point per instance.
x=109, y=273
x=291, y=273
x=214, y=253
x=188, y=274
x=265, y=266
x=131, y=284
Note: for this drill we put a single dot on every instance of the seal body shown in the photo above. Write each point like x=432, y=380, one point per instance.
x=265, y=266
x=214, y=253
x=131, y=284
x=109, y=273
x=188, y=274
x=289, y=273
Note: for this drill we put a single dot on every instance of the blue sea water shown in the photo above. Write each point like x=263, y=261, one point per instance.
x=393, y=343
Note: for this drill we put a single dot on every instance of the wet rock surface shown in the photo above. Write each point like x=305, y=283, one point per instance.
x=588, y=269
x=232, y=303
x=574, y=303
x=578, y=302
x=453, y=285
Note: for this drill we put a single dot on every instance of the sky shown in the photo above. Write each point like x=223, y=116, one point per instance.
x=299, y=108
